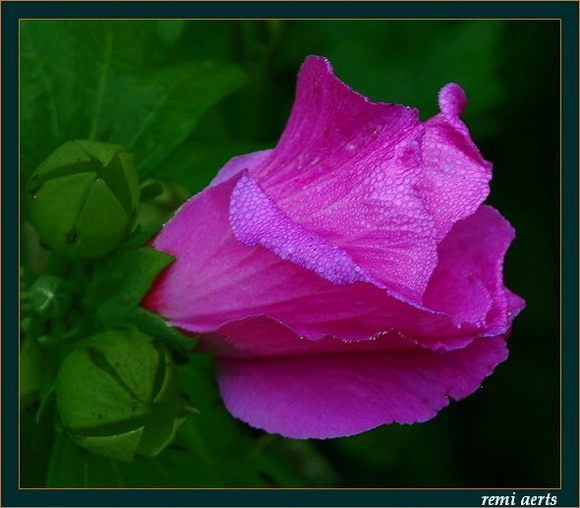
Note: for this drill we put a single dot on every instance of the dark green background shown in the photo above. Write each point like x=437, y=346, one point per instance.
x=507, y=434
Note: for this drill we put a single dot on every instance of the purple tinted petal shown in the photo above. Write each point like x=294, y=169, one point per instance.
x=334, y=395
x=349, y=169
x=456, y=177
x=262, y=336
x=239, y=163
x=468, y=281
x=515, y=304
x=216, y=279
x=348, y=278
x=256, y=220
x=200, y=238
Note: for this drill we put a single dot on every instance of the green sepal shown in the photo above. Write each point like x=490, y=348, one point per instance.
x=88, y=395
x=159, y=202
x=117, y=169
x=55, y=206
x=110, y=162
x=159, y=433
x=119, y=287
x=102, y=223
x=114, y=312
x=151, y=189
x=120, y=446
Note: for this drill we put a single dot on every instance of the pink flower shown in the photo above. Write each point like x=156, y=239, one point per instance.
x=350, y=277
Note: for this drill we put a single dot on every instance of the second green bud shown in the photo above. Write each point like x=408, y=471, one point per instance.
x=83, y=198
x=118, y=395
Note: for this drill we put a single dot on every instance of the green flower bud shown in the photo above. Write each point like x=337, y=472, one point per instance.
x=50, y=297
x=118, y=395
x=83, y=198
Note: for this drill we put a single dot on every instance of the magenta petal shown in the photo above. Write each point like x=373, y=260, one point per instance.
x=216, y=279
x=515, y=304
x=256, y=220
x=468, y=281
x=262, y=336
x=348, y=170
x=350, y=277
x=456, y=177
x=200, y=238
x=334, y=395
x=239, y=163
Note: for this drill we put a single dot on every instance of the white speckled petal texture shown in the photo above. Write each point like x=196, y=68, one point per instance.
x=218, y=279
x=456, y=178
x=349, y=170
x=256, y=220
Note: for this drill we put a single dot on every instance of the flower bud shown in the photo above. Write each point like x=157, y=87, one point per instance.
x=118, y=395
x=84, y=198
x=50, y=297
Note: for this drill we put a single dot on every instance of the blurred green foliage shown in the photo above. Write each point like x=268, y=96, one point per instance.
x=107, y=80
x=185, y=96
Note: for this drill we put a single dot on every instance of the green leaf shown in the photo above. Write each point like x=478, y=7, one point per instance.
x=203, y=156
x=35, y=448
x=119, y=285
x=65, y=67
x=104, y=80
x=178, y=96
x=127, y=276
x=72, y=467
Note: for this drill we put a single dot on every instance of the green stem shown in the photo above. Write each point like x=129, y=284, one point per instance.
x=117, y=473
x=55, y=264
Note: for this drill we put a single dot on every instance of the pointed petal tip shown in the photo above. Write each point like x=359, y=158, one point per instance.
x=317, y=60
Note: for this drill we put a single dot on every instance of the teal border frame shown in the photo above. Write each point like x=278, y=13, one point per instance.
x=567, y=11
